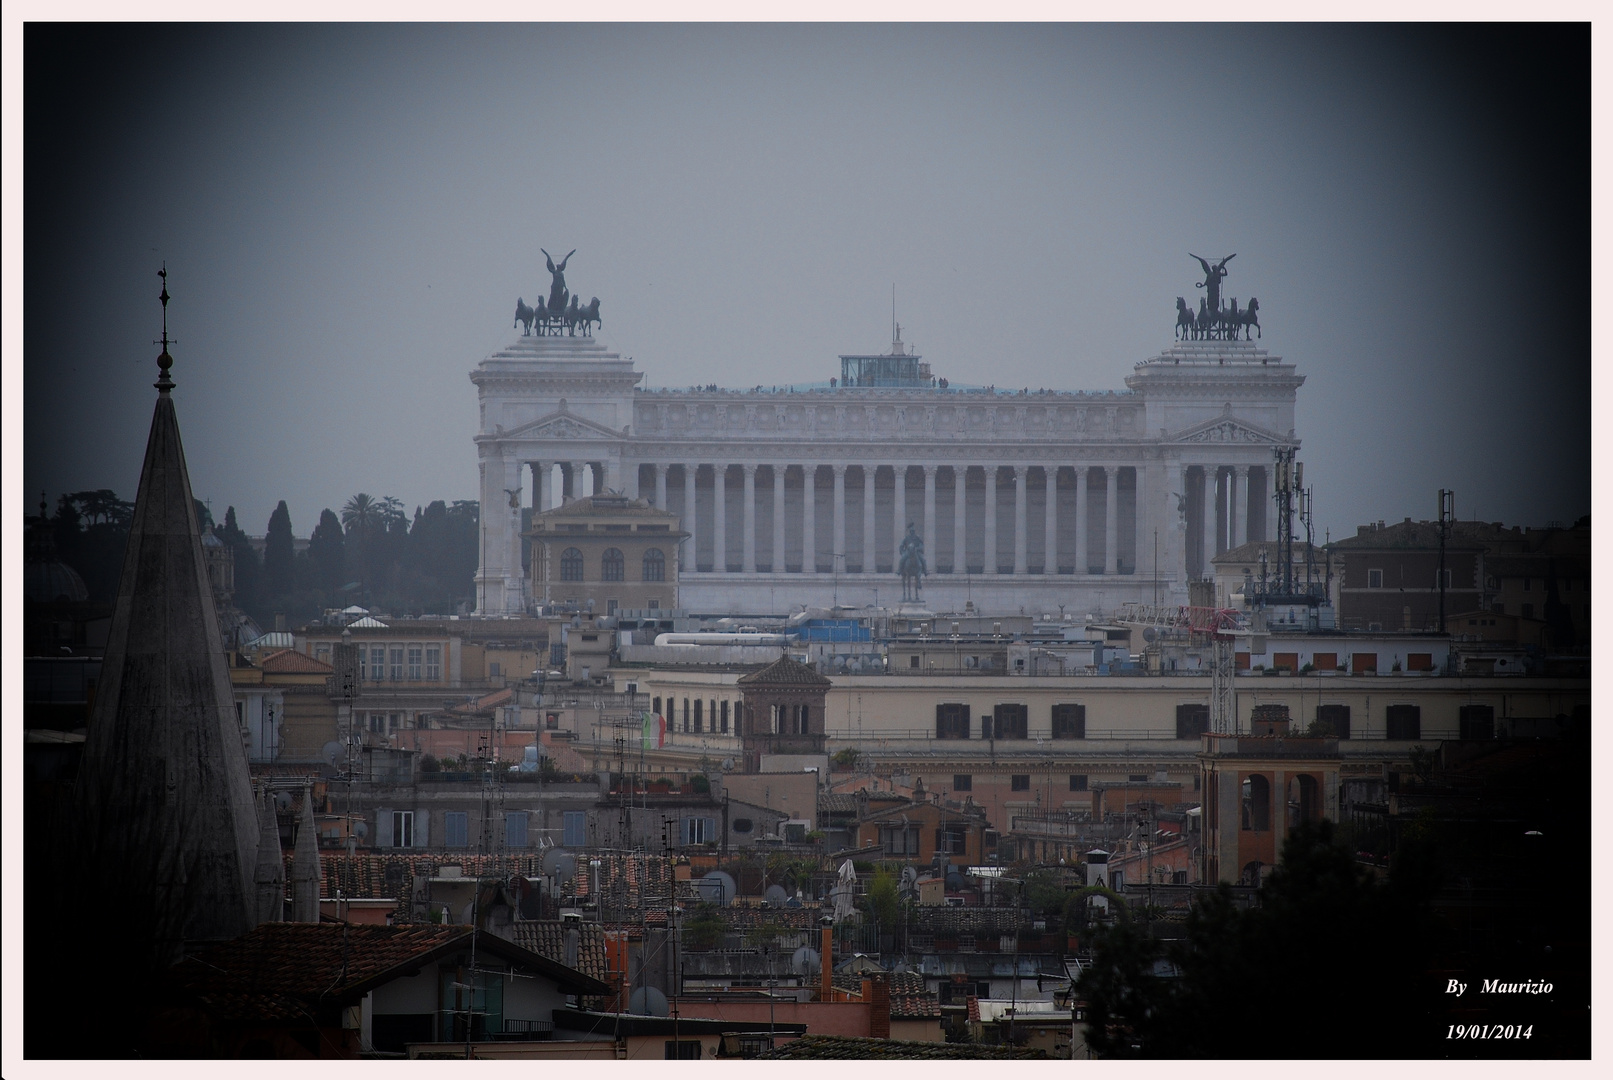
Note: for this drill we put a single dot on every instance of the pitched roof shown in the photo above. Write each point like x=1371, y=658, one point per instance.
x=1404, y=535
x=292, y=662
x=817, y=1047
x=282, y=971
x=547, y=937
x=785, y=672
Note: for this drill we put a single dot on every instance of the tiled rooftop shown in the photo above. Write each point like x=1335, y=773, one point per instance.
x=817, y=1047
x=292, y=662
x=281, y=970
x=547, y=937
x=784, y=672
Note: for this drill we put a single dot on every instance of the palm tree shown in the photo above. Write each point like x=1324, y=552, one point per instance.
x=361, y=513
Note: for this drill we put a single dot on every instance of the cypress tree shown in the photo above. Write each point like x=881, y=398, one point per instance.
x=277, y=553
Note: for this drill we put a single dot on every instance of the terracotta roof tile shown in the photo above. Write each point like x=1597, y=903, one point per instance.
x=292, y=662
x=283, y=970
x=817, y=1047
x=784, y=672
x=547, y=937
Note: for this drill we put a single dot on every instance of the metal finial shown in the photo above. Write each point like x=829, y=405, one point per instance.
x=164, y=361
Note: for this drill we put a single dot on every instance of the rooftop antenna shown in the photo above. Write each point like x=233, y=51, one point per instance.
x=164, y=361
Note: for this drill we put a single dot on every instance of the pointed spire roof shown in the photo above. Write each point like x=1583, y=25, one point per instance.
x=164, y=793
x=305, y=867
x=270, y=874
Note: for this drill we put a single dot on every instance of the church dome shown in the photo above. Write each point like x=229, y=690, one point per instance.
x=53, y=582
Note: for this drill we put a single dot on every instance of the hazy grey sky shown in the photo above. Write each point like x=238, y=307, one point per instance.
x=348, y=214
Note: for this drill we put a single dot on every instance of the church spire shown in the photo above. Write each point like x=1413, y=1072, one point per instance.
x=164, y=361
x=164, y=792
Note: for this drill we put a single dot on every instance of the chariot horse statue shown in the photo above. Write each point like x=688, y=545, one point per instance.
x=558, y=293
x=912, y=563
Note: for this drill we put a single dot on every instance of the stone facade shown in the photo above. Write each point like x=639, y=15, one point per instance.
x=798, y=495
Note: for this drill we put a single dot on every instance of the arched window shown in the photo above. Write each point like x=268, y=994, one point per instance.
x=571, y=565
x=1256, y=803
x=611, y=564
x=654, y=565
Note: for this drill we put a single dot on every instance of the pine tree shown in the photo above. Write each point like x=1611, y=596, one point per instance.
x=248, y=568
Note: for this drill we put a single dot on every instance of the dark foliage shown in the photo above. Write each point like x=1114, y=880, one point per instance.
x=1351, y=952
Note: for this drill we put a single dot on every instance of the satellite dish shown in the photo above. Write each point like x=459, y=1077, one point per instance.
x=727, y=764
x=806, y=961
x=717, y=888
x=331, y=753
x=361, y=830
x=647, y=1001
x=775, y=896
x=282, y=800
x=559, y=863
x=1150, y=634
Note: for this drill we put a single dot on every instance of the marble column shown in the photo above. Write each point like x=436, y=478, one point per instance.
x=690, y=516
x=870, y=549
x=839, y=535
x=1050, y=524
x=1021, y=520
x=990, y=560
x=1111, y=520
x=629, y=471
x=960, y=508
x=539, y=473
x=809, y=519
x=660, y=486
x=778, y=519
x=578, y=470
x=749, y=563
x=1142, y=538
x=1206, y=568
x=1240, y=520
x=1083, y=519
x=719, y=518
x=898, y=515
x=929, y=518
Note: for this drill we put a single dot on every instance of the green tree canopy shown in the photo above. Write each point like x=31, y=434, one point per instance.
x=278, y=568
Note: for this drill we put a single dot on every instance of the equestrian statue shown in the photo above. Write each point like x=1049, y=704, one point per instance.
x=911, y=563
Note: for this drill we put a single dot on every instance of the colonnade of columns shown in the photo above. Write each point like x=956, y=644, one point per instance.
x=1092, y=518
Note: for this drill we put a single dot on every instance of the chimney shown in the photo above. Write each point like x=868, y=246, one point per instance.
x=877, y=991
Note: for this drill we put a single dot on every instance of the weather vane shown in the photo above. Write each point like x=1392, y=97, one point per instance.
x=164, y=361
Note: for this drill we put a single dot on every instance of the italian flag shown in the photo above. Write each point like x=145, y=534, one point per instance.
x=654, y=731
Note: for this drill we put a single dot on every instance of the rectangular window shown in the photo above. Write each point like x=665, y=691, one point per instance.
x=403, y=828
x=456, y=829
x=1069, y=721
x=1285, y=661
x=434, y=663
x=1374, y=579
x=952, y=721
x=698, y=720
x=378, y=662
x=1419, y=661
x=1078, y=781
x=1192, y=721
x=725, y=718
x=1404, y=721
x=699, y=830
x=394, y=721
x=1240, y=661
x=963, y=782
x=683, y=1050
x=377, y=722
x=416, y=656
x=899, y=839
x=396, y=666
x=1336, y=715
x=574, y=833
x=1012, y=721
x=1528, y=611
x=322, y=652
x=494, y=671
x=913, y=661
x=950, y=840
x=1447, y=578
x=1325, y=661
x=515, y=829
x=655, y=706
x=1019, y=782
x=1364, y=662
x=1476, y=722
